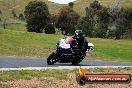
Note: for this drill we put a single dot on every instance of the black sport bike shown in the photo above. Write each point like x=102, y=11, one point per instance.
x=67, y=52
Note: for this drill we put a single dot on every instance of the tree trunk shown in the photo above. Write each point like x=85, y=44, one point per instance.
x=130, y=33
x=118, y=36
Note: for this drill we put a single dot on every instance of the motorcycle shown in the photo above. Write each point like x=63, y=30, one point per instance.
x=67, y=51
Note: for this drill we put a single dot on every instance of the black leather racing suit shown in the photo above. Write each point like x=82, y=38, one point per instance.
x=82, y=43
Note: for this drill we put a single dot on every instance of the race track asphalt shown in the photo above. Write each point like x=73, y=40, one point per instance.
x=17, y=62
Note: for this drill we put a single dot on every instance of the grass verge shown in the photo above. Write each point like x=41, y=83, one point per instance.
x=17, y=27
x=11, y=75
x=116, y=50
x=109, y=69
x=26, y=44
x=60, y=74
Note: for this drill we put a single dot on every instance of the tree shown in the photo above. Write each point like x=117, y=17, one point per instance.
x=90, y=20
x=106, y=22
x=21, y=16
x=118, y=19
x=129, y=17
x=37, y=16
x=95, y=5
x=103, y=20
x=84, y=25
x=67, y=19
x=97, y=18
x=14, y=13
x=49, y=29
x=0, y=12
x=71, y=4
x=127, y=14
x=53, y=18
x=4, y=24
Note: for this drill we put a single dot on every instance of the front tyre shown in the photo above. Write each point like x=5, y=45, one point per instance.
x=51, y=59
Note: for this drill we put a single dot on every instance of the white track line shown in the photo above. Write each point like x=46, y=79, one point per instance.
x=59, y=68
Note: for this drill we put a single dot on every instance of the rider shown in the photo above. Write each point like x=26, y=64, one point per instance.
x=82, y=42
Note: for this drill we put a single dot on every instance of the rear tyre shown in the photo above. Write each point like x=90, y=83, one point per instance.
x=75, y=62
x=51, y=59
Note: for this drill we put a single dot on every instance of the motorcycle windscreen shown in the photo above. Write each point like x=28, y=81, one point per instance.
x=63, y=44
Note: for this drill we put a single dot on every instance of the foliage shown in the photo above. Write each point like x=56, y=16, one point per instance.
x=119, y=19
x=0, y=12
x=79, y=5
x=53, y=18
x=104, y=22
x=84, y=25
x=127, y=13
x=95, y=5
x=71, y=4
x=0, y=16
x=14, y=13
x=37, y=16
x=96, y=20
x=21, y=16
x=67, y=19
x=49, y=29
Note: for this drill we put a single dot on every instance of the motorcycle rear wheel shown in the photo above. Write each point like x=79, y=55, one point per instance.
x=75, y=62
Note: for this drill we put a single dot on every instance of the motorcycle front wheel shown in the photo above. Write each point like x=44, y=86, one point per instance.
x=51, y=58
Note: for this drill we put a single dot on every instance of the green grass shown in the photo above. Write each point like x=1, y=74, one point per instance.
x=11, y=75
x=108, y=69
x=120, y=50
x=17, y=27
x=21, y=43
x=26, y=44
x=60, y=74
